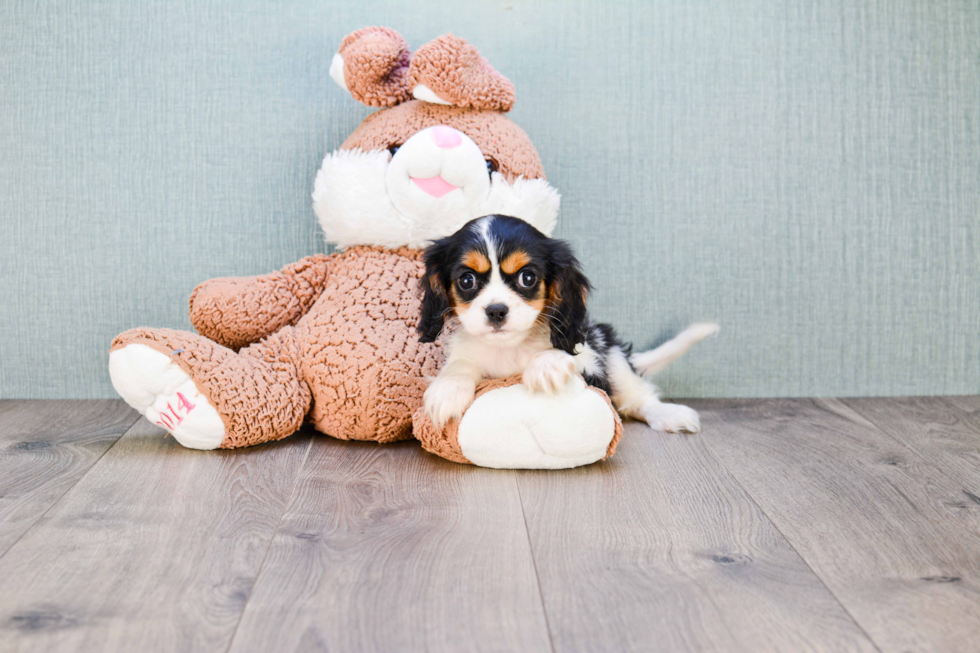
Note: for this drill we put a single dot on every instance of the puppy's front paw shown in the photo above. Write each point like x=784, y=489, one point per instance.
x=549, y=371
x=672, y=418
x=447, y=398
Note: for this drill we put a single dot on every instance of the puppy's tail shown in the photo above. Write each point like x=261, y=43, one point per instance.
x=653, y=361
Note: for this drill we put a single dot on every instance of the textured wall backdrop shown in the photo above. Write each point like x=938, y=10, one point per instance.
x=805, y=172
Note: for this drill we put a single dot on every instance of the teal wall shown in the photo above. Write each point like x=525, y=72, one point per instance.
x=807, y=173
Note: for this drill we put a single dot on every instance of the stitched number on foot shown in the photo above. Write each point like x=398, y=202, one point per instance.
x=166, y=395
x=175, y=417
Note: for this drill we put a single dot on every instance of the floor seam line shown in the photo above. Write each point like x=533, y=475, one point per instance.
x=534, y=562
x=789, y=542
x=72, y=486
x=272, y=541
x=925, y=459
x=955, y=485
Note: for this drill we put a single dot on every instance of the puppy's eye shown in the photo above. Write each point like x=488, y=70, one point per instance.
x=527, y=279
x=467, y=281
x=393, y=149
x=491, y=166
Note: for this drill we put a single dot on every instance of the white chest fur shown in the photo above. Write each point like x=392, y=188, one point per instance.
x=499, y=360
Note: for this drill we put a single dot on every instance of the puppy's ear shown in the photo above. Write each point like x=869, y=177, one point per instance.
x=432, y=286
x=568, y=290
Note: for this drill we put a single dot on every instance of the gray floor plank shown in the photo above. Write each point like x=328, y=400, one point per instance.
x=877, y=522
x=970, y=405
x=937, y=429
x=659, y=549
x=45, y=447
x=387, y=548
x=156, y=548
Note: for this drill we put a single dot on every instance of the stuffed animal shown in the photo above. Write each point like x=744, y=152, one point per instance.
x=331, y=340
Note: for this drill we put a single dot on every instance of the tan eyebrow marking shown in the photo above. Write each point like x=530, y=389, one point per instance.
x=514, y=262
x=476, y=261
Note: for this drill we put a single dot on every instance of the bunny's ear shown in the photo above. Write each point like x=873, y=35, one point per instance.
x=450, y=71
x=372, y=65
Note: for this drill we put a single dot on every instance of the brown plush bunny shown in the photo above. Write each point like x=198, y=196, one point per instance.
x=331, y=340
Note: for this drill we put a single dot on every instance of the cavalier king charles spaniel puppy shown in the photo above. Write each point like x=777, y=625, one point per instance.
x=519, y=301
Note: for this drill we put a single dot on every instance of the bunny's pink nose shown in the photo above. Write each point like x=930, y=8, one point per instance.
x=446, y=137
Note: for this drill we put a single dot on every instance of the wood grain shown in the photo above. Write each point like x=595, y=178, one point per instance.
x=659, y=549
x=938, y=429
x=884, y=529
x=970, y=405
x=387, y=548
x=156, y=548
x=790, y=525
x=45, y=447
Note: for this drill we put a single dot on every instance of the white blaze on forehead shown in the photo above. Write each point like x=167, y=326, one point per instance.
x=521, y=316
x=488, y=240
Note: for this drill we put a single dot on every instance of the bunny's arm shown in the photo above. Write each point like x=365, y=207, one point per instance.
x=237, y=311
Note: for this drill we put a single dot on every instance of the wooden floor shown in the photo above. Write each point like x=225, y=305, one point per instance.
x=789, y=525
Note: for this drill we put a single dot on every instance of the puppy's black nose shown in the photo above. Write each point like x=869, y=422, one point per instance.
x=496, y=314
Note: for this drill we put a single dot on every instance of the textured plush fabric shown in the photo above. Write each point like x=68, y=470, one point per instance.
x=352, y=198
x=445, y=442
x=455, y=71
x=618, y=435
x=352, y=365
x=237, y=311
x=499, y=138
x=257, y=391
x=376, y=61
x=364, y=361
x=804, y=173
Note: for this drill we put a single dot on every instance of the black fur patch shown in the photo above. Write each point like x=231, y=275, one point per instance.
x=602, y=339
